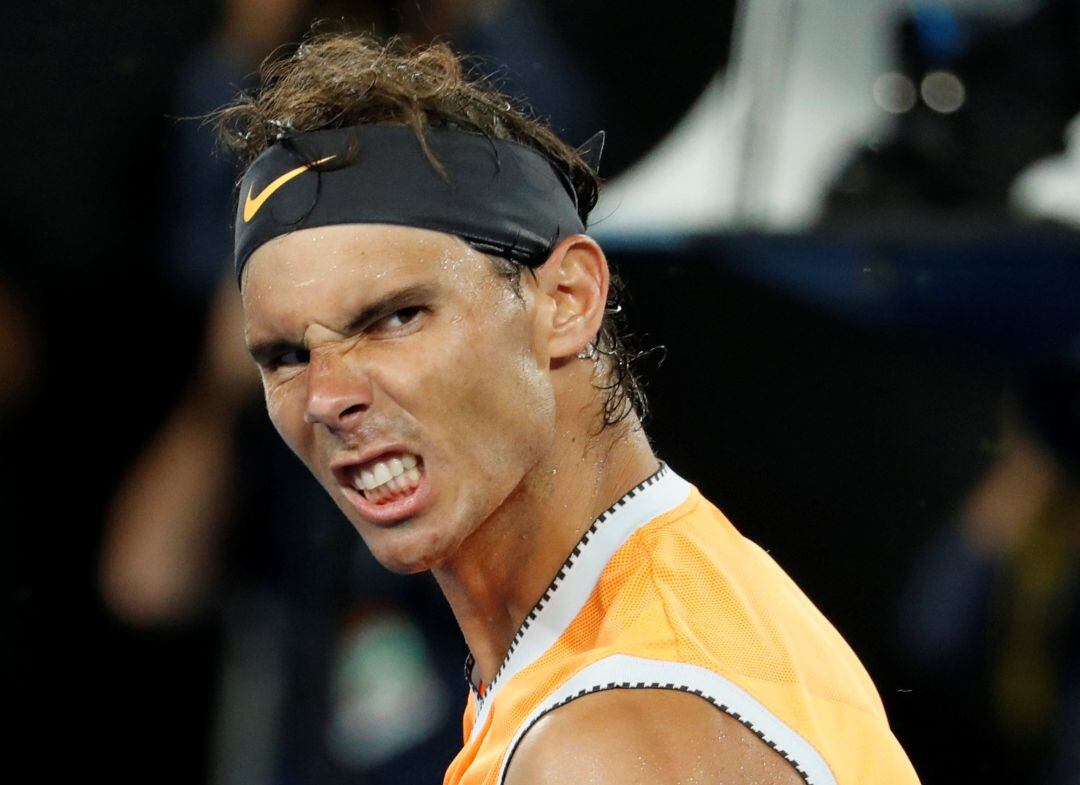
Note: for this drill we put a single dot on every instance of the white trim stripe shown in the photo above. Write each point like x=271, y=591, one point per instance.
x=577, y=578
x=622, y=671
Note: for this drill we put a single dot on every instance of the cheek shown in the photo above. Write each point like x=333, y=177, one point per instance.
x=497, y=389
x=285, y=407
x=473, y=383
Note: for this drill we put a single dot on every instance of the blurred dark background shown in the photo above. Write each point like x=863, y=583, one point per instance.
x=867, y=299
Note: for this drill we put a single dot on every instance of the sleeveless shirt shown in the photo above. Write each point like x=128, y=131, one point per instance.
x=662, y=592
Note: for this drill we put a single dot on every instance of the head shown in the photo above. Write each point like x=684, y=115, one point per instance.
x=401, y=349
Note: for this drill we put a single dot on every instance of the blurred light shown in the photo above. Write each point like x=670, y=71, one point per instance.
x=941, y=37
x=895, y=93
x=943, y=91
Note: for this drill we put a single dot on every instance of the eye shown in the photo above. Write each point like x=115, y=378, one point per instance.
x=399, y=319
x=289, y=358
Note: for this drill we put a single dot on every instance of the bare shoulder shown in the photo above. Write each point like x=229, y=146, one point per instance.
x=645, y=736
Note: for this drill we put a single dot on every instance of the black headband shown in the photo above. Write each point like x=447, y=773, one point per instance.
x=499, y=196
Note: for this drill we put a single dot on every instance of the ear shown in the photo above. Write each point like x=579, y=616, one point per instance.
x=575, y=278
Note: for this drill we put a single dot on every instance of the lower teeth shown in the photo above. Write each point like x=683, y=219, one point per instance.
x=386, y=491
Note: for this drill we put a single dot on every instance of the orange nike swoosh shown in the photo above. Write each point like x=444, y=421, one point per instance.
x=251, y=206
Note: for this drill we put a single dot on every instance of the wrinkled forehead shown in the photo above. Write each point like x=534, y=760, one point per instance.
x=332, y=268
x=353, y=254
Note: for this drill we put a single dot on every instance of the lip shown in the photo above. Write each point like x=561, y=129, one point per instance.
x=391, y=512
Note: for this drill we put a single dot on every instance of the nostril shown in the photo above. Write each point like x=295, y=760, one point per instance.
x=356, y=408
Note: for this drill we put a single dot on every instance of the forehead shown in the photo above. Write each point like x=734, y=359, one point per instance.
x=333, y=267
x=298, y=258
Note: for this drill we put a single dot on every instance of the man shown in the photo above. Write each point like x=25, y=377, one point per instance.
x=434, y=334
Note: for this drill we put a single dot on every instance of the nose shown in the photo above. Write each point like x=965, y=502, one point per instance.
x=337, y=392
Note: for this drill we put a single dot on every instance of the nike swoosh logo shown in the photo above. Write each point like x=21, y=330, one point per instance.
x=252, y=205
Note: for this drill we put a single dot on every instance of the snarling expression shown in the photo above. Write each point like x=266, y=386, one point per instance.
x=408, y=374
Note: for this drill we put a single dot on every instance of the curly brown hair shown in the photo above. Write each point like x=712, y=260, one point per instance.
x=338, y=80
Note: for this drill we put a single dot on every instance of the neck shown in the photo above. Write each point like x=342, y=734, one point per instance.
x=501, y=571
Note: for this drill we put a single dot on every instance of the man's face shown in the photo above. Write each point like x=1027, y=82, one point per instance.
x=394, y=352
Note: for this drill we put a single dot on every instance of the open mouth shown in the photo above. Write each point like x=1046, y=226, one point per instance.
x=389, y=478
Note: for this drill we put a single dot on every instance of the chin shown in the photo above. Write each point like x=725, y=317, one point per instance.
x=406, y=550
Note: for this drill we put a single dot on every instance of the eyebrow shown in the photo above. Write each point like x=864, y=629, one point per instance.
x=263, y=352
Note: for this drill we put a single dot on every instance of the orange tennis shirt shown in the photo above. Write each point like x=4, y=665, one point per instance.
x=662, y=592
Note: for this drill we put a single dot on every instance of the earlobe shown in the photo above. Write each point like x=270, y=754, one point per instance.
x=577, y=277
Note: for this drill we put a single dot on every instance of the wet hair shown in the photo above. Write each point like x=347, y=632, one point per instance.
x=338, y=80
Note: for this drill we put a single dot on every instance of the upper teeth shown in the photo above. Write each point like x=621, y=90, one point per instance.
x=382, y=472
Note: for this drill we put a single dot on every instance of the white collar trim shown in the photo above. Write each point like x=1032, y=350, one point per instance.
x=576, y=579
